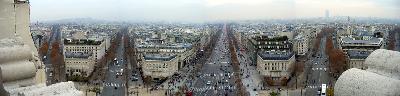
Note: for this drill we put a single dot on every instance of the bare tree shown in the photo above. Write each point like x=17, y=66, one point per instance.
x=337, y=58
x=43, y=49
x=269, y=80
x=284, y=81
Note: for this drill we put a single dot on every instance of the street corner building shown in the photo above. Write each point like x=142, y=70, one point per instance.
x=162, y=56
x=275, y=64
x=381, y=78
x=82, y=54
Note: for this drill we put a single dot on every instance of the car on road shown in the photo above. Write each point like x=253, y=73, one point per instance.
x=208, y=83
x=323, y=90
x=118, y=73
x=226, y=81
x=135, y=79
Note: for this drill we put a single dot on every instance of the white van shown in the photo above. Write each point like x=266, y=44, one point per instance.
x=323, y=90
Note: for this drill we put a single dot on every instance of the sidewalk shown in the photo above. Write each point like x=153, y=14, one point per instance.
x=146, y=92
x=185, y=78
x=88, y=90
x=253, y=80
x=296, y=92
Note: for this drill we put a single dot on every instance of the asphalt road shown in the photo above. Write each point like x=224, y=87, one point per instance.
x=318, y=73
x=134, y=77
x=55, y=35
x=216, y=76
x=115, y=82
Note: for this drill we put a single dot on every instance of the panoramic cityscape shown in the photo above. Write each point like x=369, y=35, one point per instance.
x=199, y=48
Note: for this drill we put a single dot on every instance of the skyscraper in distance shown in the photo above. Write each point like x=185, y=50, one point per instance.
x=326, y=13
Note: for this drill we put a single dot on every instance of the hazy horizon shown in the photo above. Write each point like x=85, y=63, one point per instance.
x=209, y=10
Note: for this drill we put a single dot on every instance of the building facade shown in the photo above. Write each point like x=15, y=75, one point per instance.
x=262, y=43
x=79, y=64
x=365, y=43
x=300, y=45
x=159, y=66
x=154, y=55
x=357, y=58
x=358, y=48
x=81, y=55
x=275, y=64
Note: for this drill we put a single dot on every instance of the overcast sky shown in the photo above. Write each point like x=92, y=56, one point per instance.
x=209, y=10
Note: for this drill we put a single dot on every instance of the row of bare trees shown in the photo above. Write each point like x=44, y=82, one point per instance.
x=317, y=43
x=295, y=69
x=392, y=38
x=57, y=62
x=336, y=57
x=99, y=71
x=44, y=48
x=235, y=63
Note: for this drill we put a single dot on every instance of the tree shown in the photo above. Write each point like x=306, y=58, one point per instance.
x=102, y=62
x=317, y=42
x=57, y=61
x=284, y=81
x=77, y=78
x=329, y=45
x=337, y=61
x=147, y=80
x=269, y=81
x=330, y=91
x=337, y=58
x=43, y=49
x=273, y=94
x=297, y=68
x=392, y=38
x=55, y=49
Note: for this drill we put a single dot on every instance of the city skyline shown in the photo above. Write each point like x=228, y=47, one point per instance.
x=209, y=10
x=199, y=48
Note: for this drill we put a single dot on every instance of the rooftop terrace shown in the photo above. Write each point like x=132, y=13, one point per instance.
x=159, y=57
x=69, y=41
x=354, y=54
x=275, y=55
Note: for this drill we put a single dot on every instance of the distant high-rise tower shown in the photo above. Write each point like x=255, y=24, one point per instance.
x=326, y=13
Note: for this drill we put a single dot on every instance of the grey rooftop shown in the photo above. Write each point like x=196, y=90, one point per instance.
x=275, y=55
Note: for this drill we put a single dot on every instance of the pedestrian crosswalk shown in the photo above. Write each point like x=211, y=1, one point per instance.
x=313, y=86
x=316, y=69
x=114, y=85
x=217, y=76
x=206, y=88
